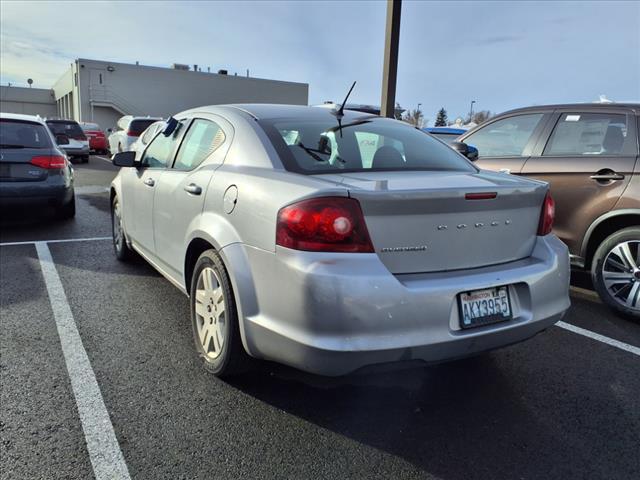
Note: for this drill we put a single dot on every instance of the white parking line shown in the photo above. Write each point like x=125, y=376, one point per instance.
x=600, y=338
x=104, y=452
x=105, y=159
x=63, y=240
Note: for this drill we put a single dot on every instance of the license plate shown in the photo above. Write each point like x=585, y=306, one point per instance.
x=482, y=307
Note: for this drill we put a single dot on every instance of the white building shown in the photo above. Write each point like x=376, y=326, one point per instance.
x=101, y=92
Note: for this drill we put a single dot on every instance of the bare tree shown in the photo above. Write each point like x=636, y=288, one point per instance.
x=481, y=116
x=414, y=117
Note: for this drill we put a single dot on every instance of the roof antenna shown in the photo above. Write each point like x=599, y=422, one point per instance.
x=340, y=112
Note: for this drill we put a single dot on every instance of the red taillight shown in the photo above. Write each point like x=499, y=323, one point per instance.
x=49, y=162
x=547, y=215
x=328, y=224
x=133, y=133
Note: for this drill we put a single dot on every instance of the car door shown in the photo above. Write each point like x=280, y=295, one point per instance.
x=139, y=189
x=180, y=197
x=588, y=157
x=506, y=142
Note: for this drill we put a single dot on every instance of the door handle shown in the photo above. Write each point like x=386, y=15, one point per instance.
x=603, y=177
x=193, y=189
x=149, y=182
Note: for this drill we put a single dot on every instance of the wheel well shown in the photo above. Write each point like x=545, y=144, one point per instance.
x=606, y=228
x=194, y=250
x=112, y=194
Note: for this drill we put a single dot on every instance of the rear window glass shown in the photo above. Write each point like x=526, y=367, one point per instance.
x=138, y=126
x=70, y=129
x=17, y=134
x=320, y=146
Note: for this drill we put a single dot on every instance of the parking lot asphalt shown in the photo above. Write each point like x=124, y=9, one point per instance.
x=561, y=405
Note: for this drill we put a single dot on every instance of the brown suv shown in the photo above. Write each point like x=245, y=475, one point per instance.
x=589, y=155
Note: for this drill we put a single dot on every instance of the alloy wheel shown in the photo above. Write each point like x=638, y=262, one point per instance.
x=621, y=274
x=211, y=321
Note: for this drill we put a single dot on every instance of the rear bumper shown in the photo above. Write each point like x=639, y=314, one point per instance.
x=54, y=191
x=77, y=152
x=332, y=314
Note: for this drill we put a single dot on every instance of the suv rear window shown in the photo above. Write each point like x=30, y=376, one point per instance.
x=70, y=129
x=20, y=134
x=136, y=127
x=370, y=144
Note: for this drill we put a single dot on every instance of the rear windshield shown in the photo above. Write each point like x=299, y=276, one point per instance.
x=139, y=126
x=90, y=126
x=371, y=144
x=19, y=134
x=70, y=129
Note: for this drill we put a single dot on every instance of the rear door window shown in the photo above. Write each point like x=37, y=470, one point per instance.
x=505, y=138
x=202, y=139
x=18, y=134
x=587, y=134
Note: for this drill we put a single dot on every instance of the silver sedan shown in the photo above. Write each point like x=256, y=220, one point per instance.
x=330, y=241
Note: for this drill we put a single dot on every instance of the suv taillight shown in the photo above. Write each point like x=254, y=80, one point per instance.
x=50, y=162
x=326, y=224
x=547, y=215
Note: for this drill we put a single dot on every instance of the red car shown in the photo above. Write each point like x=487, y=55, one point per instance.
x=97, y=138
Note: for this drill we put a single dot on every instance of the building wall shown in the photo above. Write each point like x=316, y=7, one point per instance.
x=154, y=91
x=29, y=101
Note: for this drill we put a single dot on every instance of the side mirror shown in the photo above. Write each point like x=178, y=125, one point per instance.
x=62, y=139
x=124, y=159
x=468, y=151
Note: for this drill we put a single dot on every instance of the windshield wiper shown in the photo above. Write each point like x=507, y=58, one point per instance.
x=10, y=145
x=311, y=152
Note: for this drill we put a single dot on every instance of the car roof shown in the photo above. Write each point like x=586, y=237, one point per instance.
x=265, y=111
x=60, y=120
x=577, y=106
x=20, y=116
x=453, y=131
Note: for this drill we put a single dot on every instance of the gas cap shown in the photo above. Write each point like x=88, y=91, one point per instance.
x=230, y=198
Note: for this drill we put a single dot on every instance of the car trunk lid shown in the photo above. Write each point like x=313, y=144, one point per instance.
x=437, y=221
x=16, y=166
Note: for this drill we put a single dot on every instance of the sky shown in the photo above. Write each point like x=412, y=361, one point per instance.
x=501, y=54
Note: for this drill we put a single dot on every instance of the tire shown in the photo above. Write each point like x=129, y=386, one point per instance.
x=120, y=246
x=618, y=258
x=68, y=210
x=214, y=318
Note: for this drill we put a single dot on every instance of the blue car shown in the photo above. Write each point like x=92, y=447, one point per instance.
x=446, y=134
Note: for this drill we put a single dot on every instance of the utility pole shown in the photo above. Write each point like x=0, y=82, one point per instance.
x=390, y=68
x=471, y=111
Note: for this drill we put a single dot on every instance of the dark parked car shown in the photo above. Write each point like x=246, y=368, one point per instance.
x=78, y=144
x=589, y=155
x=34, y=171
